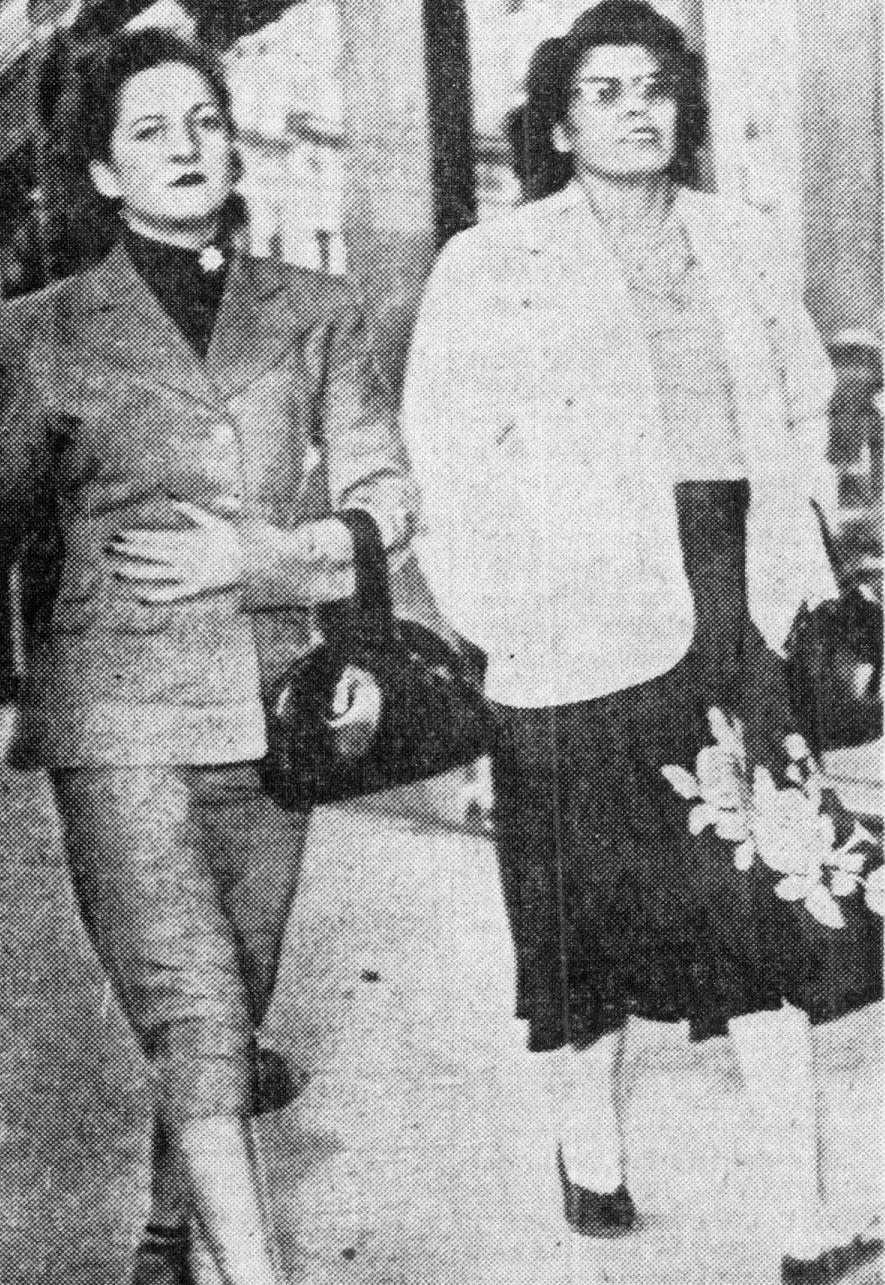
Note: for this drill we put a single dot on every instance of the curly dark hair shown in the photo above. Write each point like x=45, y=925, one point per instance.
x=104, y=70
x=550, y=83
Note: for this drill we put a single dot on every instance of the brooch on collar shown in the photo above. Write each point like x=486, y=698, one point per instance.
x=210, y=258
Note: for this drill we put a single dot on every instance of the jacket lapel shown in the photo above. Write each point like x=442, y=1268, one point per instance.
x=739, y=302
x=250, y=335
x=115, y=322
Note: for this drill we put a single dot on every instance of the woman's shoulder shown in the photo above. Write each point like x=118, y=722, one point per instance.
x=491, y=249
x=298, y=286
x=730, y=217
x=27, y=317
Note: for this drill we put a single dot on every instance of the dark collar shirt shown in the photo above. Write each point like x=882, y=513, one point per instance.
x=189, y=293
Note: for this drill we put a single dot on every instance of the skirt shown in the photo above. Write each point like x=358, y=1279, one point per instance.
x=670, y=851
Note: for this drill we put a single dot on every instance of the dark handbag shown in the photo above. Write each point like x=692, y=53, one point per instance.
x=429, y=714
x=834, y=664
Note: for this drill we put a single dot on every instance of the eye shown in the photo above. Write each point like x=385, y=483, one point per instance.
x=659, y=87
x=147, y=132
x=599, y=92
x=607, y=92
x=211, y=121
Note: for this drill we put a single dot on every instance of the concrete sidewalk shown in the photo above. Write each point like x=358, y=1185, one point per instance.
x=420, y=1153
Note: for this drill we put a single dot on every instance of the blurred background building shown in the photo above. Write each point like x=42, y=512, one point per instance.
x=371, y=130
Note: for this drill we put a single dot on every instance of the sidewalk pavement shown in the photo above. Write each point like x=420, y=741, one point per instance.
x=420, y=1152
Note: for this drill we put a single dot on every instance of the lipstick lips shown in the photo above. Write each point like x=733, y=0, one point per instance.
x=188, y=180
x=647, y=133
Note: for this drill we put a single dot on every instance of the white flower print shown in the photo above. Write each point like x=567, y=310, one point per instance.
x=720, y=785
x=874, y=893
x=787, y=829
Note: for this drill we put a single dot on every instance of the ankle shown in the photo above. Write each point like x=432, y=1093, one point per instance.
x=597, y=1169
x=168, y=1222
x=810, y=1234
x=164, y=1230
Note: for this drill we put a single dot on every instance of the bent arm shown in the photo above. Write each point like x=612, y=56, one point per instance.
x=446, y=416
x=366, y=468
x=800, y=359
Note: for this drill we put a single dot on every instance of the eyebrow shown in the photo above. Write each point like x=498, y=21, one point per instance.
x=153, y=117
x=607, y=80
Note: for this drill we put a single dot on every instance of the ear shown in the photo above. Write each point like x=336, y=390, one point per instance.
x=559, y=137
x=104, y=179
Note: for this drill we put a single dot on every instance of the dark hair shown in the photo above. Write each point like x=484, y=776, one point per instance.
x=550, y=81
x=104, y=71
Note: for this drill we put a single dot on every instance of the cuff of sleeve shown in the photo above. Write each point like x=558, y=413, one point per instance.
x=277, y=576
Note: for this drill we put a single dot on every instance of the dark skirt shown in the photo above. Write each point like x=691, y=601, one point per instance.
x=626, y=896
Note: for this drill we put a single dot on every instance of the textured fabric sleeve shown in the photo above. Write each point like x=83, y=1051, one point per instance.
x=365, y=465
x=365, y=458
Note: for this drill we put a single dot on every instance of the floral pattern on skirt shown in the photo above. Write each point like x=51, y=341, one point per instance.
x=670, y=850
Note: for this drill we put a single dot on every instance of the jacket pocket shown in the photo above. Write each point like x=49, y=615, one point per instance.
x=96, y=603
x=134, y=617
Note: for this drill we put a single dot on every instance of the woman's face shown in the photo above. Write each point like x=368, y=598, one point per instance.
x=621, y=122
x=170, y=153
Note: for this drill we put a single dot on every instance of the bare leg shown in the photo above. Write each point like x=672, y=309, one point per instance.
x=775, y=1054
x=219, y=1158
x=586, y=1093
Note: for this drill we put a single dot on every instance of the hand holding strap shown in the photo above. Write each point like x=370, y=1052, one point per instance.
x=370, y=611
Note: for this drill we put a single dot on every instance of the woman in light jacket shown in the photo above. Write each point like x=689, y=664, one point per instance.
x=616, y=409
x=161, y=413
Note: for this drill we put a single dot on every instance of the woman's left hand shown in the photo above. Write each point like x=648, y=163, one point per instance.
x=168, y=566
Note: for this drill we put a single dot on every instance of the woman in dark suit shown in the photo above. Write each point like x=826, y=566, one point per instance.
x=161, y=413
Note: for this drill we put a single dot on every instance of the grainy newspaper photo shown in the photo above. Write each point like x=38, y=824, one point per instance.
x=441, y=642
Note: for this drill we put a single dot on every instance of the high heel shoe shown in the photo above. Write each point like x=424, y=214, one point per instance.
x=832, y=1265
x=162, y=1257
x=593, y=1213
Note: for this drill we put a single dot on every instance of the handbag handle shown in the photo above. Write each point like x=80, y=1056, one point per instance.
x=372, y=588
x=838, y=569
x=371, y=604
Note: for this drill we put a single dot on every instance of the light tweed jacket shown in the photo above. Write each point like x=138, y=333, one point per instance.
x=107, y=417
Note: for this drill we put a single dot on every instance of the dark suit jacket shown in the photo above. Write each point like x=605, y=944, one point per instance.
x=107, y=416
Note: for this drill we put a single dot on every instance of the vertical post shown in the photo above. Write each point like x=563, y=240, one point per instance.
x=388, y=210
x=447, y=58
x=409, y=160
x=841, y=105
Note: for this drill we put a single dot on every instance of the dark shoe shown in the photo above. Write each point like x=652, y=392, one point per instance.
x=832, y=1265
x=590, y=1213
x=161, y=1257
x=275, y=1084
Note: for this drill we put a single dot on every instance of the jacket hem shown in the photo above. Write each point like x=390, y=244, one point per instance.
x=109, y=734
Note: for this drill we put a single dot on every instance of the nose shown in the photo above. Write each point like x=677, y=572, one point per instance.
x=635, y=101
x=184, y=142
x=635, y=97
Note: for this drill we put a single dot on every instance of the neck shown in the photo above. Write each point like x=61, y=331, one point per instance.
x=192, y=237
x=625, y=202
